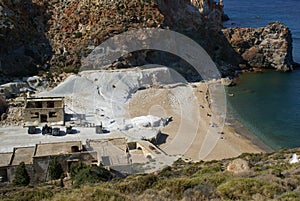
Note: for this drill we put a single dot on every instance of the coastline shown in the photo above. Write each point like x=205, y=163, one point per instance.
x=233, y=141
x=242, y=130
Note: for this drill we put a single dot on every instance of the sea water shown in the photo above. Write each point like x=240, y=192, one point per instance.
x=268, y=104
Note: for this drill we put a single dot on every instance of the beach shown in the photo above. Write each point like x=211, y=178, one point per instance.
x=232, y=142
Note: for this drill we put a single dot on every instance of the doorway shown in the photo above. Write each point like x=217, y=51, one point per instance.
x=43, y=118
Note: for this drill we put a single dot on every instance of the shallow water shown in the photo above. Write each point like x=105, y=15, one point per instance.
x=268, y=104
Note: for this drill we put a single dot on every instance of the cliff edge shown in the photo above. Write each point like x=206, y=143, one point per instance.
x=54, y=35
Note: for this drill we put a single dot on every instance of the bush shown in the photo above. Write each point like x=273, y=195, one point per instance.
x=92, y=174
x=21, y=177
x=138, y=184
x=76, y=167
x=55, y=169
x=289, y=196
x=176, y=187
x=244, y=188
x=211, y=169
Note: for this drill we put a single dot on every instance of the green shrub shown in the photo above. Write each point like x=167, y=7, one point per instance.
x=138, y=184
x=289, y=196
x=21, y=177
x=177, y=186
x=214, y=179
x=210, y=169
x=244, y=188
x=76, y=167
x=166, y=172
x=92, y=174
x=105, y=194
x=55, y=169
x=78, y=35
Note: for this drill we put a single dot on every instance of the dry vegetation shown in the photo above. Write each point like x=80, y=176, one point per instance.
x=270, y=177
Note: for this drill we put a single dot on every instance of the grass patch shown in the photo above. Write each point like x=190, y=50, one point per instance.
x=244, y=188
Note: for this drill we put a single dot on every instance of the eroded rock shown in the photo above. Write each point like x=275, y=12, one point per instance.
x=238, y=166
x=266, y=47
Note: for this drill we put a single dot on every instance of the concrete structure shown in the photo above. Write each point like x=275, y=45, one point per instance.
x=20, y=154
x=47, y=149
x=65, y=152
x=44, y=110
x=118, y=154
x=37, y=159
x=111, y=152
x=4, y=164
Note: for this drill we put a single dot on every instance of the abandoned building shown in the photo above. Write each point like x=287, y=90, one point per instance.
x=44, y=110
x=37, y=159
x=117, y=154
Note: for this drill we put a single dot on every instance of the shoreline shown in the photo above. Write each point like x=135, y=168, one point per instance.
x=227, y=145
x=242, y=130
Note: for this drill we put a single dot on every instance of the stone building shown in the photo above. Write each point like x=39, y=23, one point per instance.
x=44, y=110
x=37, y=159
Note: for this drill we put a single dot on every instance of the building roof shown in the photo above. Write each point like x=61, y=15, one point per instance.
x=5, y=159
x=111, y=152
x=22, y=154
x=45, y=98
x=58, y=148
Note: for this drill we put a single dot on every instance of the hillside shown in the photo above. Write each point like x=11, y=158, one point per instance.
x=38, y=36
x=267, y=176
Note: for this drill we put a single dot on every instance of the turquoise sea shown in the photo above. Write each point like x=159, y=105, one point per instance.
x=268, y=104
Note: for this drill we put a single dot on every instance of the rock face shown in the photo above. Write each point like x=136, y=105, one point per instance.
x=38, y=34
x=23, y=45
x=238, y=166
x=266, y=47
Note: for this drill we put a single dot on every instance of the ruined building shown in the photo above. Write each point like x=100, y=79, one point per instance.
x=44, y=110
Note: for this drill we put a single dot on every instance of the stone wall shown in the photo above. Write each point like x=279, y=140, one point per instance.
x=41, y=164
x=11, y=171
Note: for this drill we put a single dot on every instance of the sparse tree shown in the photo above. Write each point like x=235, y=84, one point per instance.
x=55, y=169
x=21, y=177
x=76, y=167
x=92, y=174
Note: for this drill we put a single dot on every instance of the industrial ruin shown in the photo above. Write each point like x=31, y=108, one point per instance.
x=116, y=154
x=44, y=110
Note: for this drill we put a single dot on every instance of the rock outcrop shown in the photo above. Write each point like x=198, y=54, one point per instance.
x=24, y=47
x=55, y=34
x=238, y=166
x=266, y=47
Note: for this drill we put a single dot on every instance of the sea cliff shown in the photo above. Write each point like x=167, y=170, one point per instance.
x=54, y=35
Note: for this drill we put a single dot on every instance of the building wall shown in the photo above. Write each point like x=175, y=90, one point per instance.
x=3, y=173
x=44, y=110
x=41, y=164
x=11, y=171
x=30, y=114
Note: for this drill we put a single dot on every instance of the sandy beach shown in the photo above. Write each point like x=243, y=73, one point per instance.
x=230, y=142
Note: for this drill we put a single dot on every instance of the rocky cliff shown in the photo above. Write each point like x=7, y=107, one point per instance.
x=266, y=47
x=55, y=34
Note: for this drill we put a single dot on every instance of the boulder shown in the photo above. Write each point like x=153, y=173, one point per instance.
x=227, y=82
x=238, y=166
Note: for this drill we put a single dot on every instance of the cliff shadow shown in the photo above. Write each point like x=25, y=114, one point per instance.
x=204, y=27
x=24, y=49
